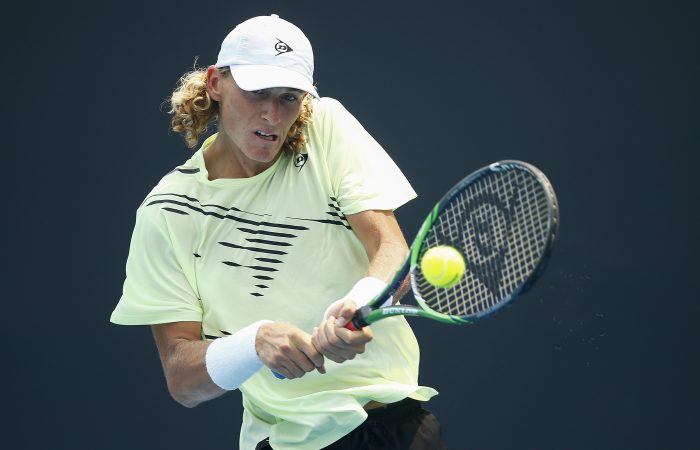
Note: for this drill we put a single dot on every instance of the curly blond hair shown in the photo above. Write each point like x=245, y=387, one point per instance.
x=194, y=111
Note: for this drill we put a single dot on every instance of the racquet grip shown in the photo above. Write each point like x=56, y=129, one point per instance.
x=359, y=320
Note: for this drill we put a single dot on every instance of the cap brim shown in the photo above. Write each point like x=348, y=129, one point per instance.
x=254, y=77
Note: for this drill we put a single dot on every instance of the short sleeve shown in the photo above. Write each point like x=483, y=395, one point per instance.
x=156, y=289
x=363, y=175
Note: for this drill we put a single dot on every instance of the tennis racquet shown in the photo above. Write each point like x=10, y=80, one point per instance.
x=504, y=220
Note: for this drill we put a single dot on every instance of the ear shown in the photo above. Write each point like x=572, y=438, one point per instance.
x=214, y=83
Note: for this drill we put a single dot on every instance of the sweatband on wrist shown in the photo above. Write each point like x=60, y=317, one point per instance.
x=232, y=359
x=361, y=293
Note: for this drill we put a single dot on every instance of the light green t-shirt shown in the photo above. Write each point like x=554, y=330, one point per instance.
x=277, y=246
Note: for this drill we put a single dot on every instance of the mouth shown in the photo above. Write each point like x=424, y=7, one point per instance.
x=266, y=136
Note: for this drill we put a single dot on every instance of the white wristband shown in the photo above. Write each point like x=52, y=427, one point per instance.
x=232, y=359
x=361, y=293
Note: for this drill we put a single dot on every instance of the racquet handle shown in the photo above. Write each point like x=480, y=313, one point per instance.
x=359, y=320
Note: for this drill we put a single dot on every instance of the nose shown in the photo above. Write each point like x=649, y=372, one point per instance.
x=270, y=111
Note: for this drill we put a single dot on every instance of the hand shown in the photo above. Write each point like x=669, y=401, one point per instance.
x=287, y=350
x=336, y=342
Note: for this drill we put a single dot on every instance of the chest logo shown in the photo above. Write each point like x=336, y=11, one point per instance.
x=300, y=159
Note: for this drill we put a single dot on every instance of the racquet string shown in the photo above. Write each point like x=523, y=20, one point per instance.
x=501, y=224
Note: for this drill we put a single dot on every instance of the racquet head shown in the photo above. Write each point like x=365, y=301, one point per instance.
x=503, y=219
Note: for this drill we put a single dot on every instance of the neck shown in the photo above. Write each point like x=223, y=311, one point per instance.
x=225, y=161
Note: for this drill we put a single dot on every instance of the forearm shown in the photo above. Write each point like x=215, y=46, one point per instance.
x=384, y=243
x=182, y=353
x=386, y=260
x=197, y=370
x=186, y=373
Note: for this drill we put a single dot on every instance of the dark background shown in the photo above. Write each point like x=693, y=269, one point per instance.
x=602, y=96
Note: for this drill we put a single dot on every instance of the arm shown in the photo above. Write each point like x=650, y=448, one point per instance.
x=280, y=346
x=386, y=249
x=384, y=243
x=182, y=353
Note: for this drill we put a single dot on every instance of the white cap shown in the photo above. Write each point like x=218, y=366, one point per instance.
x=266, y=52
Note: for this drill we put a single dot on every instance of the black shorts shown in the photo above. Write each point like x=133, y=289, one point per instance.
x=403, y=425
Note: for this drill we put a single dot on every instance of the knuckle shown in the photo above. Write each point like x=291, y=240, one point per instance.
x=284, y=348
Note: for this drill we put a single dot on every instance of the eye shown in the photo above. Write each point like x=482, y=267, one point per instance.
x=260, y=93
x=290, y=98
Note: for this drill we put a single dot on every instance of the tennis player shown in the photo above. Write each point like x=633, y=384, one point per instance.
x=248, y=259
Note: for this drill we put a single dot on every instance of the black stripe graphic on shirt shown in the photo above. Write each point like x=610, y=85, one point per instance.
x=192, y=199
x=339, y=214
x=176, y=211
x=253, y=249
x=265, y=241
x=260, y=277
x=228, y=216
x=232, y=208
x=281, y=225
x=330, y=222
x=193, y=208
x=225, y=333
x=207, y=205
x=268, y=233
x=185, y=170
x=335, y=213
x=261, y=268
x=187, y=197
x=270, y=260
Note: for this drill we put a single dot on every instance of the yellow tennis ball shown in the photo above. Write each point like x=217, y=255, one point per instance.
x=443, y=266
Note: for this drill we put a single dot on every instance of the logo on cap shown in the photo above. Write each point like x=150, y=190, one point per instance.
x=282, y=47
